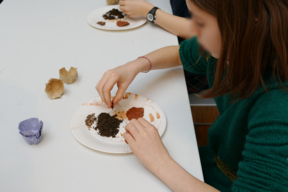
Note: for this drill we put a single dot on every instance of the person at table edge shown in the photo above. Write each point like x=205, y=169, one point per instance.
x=242, y=47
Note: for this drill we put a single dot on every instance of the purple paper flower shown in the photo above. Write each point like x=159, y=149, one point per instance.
x=31, y=130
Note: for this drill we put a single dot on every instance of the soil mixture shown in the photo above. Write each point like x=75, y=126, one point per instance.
x=113, y=14
x=108, y=126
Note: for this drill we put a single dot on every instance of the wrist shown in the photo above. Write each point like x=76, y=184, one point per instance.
x=162, y=167
x=146, y=8
x=138, y=65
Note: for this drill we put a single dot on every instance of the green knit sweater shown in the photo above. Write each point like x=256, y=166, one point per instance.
x=248, y=143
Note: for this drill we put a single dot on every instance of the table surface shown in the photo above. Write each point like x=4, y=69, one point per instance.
x=37, y=38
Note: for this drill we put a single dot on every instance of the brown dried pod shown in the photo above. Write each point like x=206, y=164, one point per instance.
x=112, y=2
x=70, y=76
x=54, y=88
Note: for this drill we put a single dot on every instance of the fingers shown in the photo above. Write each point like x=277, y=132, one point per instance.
x=121, y=7
x=100, y=85
x=148, y=126
x=132, y=129
x=119, y=95
x=105, y=85
x=122, y=2
x=128, y=138
x=137, y=124
x=144, y=122
x=108, y=87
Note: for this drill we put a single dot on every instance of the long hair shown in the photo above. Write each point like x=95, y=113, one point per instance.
x=254, y=40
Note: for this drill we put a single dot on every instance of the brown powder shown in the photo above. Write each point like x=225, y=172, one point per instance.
x=135, y=113
x=151, y=117
x=108, y=126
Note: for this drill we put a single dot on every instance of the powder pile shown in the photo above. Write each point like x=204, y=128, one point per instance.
x=113, y=14
x=108, y=126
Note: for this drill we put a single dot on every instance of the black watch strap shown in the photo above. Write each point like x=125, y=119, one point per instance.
x=151, y=16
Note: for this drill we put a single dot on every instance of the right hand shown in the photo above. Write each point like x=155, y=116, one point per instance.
x=122, y=76
x=135, y=8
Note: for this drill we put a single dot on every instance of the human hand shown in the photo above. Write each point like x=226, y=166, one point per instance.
x=135, y=8
x=122, y=76
x=146, y=144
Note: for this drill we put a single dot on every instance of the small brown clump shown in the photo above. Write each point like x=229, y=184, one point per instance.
x=102, y=23
x=90, y=119
x=122, y=23
x=108, y=126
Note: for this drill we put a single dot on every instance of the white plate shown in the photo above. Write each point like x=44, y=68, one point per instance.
x=90, y=138
x=97, y=15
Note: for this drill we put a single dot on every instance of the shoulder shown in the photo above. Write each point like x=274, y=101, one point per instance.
x=191, y=58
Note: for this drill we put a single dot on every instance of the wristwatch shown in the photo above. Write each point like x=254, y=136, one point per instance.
x=151, y=16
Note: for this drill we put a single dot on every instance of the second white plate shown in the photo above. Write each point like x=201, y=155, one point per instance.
x=97, y=15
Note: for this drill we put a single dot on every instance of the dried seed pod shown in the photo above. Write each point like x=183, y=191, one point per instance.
x=54, y=88
x=70, y=76
x=112, y=2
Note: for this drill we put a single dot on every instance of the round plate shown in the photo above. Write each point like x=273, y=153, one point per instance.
x=97, y=15
x=90, y=138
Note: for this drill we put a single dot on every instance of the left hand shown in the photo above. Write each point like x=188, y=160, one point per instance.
x=135, y=8
x=146, y=144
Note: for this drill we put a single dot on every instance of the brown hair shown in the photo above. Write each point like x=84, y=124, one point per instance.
x=254, y=40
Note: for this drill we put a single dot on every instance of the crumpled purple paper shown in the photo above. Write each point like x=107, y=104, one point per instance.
x=31, y=130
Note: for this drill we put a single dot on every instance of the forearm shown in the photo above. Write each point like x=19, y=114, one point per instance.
x=178, y=26
x=163, y=58
x=179, y=180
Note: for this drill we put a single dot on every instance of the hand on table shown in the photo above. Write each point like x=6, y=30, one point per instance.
x=135, y=8
x=146, y=144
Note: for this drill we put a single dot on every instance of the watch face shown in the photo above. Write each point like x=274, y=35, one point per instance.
x=150, y=17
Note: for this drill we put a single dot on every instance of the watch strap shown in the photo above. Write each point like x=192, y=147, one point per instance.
x=153, y=13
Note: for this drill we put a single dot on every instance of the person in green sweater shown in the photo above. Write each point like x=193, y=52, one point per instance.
x=242, y=46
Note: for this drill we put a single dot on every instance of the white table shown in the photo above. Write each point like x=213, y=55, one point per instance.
x=37, y=38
